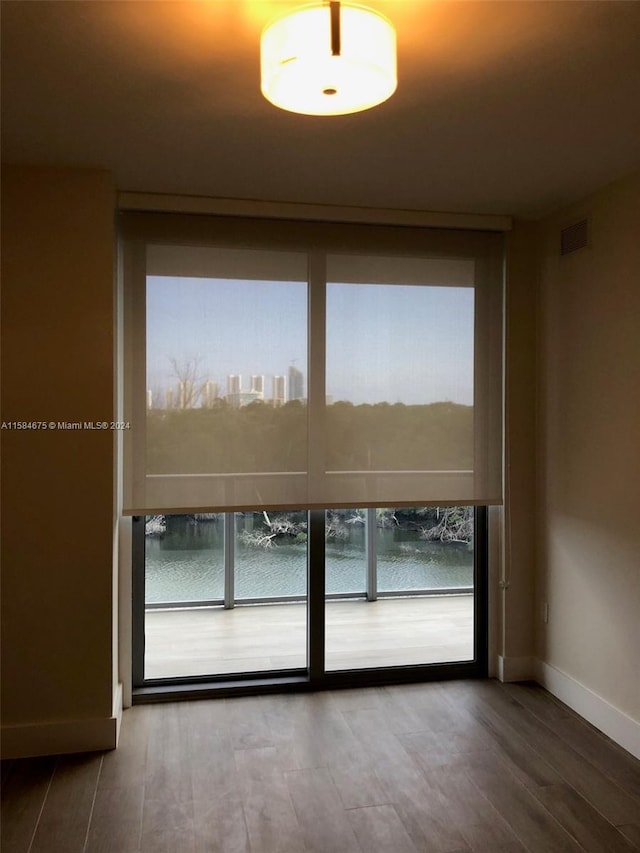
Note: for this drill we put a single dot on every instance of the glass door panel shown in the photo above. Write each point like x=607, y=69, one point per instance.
x=224, y=594
x=428, y=549
x=270, y=556
x=271, y=589
x=184, y=574
x=419, y=607
x=184, y=559
x=345, y=554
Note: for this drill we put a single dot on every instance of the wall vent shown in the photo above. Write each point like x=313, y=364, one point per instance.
x=574, y=237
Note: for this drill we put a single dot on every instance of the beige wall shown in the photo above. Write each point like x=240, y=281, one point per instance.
x=516, y=611
x=589, y=449
x=57, y=486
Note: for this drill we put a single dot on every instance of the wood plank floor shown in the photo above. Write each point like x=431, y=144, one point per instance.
x=387, y=632
x=434, y=768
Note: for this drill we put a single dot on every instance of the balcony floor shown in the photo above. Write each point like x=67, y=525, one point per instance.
x=359, y=634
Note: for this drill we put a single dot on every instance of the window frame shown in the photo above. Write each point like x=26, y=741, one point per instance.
x=319, y=239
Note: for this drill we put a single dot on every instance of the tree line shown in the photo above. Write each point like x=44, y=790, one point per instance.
x=261, y=437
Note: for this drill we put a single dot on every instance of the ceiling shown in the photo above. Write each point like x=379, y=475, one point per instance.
x=502, y=107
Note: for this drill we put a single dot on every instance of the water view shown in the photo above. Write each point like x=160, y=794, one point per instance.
x=186, y=562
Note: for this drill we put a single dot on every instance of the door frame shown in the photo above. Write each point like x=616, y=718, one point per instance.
x=314, y=676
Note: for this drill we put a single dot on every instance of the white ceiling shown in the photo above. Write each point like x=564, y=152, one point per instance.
x=502, y=107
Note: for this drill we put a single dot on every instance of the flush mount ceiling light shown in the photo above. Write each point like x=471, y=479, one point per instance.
x=329, y=59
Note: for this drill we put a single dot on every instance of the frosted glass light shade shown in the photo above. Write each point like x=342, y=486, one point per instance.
x=300, y=74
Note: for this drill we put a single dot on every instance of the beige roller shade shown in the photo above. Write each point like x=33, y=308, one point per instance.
x=282, y=364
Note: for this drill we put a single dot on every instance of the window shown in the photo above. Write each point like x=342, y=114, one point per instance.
x=283, y=368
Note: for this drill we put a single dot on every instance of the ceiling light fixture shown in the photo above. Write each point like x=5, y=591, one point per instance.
x=329, y=59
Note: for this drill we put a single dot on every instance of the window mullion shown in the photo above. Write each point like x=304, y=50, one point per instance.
x=372, y=556
x=316, y=381
x=139, y=595
x=229, y=559
x=316, y=592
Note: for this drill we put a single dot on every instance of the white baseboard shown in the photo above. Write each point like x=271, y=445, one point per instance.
x=617, y=725
x=515, y=669
x=62, y=736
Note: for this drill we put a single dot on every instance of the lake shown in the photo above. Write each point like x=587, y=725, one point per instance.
x=187, y=563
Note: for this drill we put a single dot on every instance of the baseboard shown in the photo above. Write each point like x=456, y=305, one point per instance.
x=515, y=669
x=55, y=738
x=617, y=725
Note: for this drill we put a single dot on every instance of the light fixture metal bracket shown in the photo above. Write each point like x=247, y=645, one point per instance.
x=334, y=9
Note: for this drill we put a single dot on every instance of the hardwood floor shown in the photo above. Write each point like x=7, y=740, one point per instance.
x=387, y=632
x=435, y=768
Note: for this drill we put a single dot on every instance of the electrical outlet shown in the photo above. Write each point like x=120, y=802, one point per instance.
x=545, y=612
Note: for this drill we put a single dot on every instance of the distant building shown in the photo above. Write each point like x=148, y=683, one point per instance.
x=234, y=384
x=296, y=384
x=149, y=399
x=210, y=393
x=169, y=398
x=243, y=398
x=257, y=385
x=279, y=391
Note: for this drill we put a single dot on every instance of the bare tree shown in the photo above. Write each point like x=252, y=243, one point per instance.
x=277, y=527
x=455, y=524
x=335, y=526
x=190, y=381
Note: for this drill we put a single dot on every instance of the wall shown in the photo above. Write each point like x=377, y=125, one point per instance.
x=589, y=462
x=58, y=687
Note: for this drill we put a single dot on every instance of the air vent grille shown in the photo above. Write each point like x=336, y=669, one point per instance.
x=574, y=237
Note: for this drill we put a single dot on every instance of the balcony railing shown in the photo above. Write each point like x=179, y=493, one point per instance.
x=370, y=592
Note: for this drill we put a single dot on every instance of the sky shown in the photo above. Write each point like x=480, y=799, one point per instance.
x=393, y=343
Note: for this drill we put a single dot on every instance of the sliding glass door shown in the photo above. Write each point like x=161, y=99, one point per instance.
x=225, y=595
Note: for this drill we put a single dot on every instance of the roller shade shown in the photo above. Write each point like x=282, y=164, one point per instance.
x=289, y=365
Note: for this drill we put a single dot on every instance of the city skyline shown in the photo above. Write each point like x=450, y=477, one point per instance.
x=187, y=394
